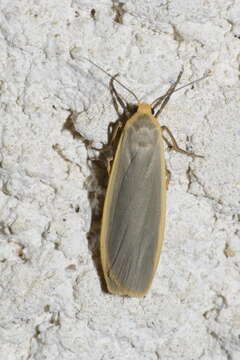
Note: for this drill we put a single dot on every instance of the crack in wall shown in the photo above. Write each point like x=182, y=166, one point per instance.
x=220, y=342
x=191, y=176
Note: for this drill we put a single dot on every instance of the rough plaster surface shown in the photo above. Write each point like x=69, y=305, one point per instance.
x=53, y=104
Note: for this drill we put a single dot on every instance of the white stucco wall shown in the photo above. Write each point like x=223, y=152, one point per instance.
x=52, y=305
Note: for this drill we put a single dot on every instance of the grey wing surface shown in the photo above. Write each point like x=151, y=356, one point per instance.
x=134, y=213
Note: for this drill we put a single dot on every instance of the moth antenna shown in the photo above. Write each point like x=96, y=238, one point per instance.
x=111, y=76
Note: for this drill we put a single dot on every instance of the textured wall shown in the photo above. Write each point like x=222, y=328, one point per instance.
x=53, y=105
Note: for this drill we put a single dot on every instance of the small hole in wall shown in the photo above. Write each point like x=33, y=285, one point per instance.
x=47, y=308
x=93, y=13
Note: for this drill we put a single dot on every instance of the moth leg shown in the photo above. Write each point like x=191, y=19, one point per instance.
x=174, y=146
x=115, y=96
x=109, y=164
x=111, y=145
x=115, y=131
x=106, y=147
x=168, y=177
x=163, y=100
x=106, y=152
x=104, y=161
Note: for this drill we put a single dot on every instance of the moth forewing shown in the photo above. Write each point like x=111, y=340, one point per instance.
x=134, y=210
